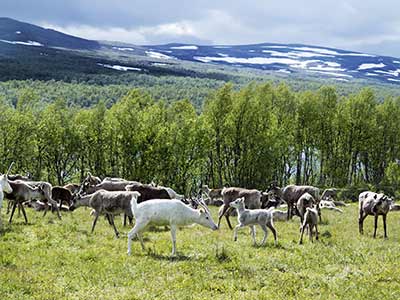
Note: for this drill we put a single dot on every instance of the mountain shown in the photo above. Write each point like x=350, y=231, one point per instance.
x=20, y=33
x=331, y=63
x=30, y=51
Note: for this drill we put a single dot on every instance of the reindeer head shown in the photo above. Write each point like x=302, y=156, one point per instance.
x=381, y=204
x=75, y=197
x=4, y=184
x=205, y=217
x=238, y=203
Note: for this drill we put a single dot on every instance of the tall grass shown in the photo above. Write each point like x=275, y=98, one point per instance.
x=53, y=259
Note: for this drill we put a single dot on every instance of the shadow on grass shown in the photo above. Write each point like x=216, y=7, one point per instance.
x=222, y=255
x=267, y=245
x=16, y=227
x=158, y=228
x=324, y=222
x=326, y=234
x=178, y=257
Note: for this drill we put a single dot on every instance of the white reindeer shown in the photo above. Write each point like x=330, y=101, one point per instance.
x=4, y=187
x=163, y=212
x=251, y=217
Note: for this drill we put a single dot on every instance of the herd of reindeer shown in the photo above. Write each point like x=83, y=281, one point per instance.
x=150, y=204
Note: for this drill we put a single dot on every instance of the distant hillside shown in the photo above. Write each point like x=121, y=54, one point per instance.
x=312, y=61
x=32, y=52
x=20, y=33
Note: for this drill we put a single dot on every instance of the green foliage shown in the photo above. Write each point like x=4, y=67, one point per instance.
x=248, y=137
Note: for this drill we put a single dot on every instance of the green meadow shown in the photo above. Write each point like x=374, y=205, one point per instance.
x=61, y=259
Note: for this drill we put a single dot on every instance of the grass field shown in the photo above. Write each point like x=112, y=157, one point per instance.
x=53, y=259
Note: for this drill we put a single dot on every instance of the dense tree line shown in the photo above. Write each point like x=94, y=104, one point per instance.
x=248, y=137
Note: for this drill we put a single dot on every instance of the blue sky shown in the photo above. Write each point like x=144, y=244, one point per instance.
x=368, y=26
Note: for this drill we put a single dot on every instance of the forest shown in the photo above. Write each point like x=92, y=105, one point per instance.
x=248, y=137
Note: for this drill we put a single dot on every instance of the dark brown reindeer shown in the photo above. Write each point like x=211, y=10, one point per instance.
x=291, y=194
x=251, y=201
x=21, y=192
x=108, y=203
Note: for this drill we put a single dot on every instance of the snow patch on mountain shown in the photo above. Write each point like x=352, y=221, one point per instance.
x=189, y=47
x=284, y=71
x=394, y=73
x=158, y=55
x=250, y=60
x=28, y=43
x=123, y=49
x=367, y=66
x=119, y=68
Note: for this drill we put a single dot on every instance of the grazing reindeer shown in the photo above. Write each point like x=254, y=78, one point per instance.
x=373, y=204
x=310, y=222
x=211, y=194
x=166, y=212
x=109, y=203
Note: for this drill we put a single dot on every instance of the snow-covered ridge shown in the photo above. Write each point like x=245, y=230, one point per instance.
x=291, y=58
x=28, y=43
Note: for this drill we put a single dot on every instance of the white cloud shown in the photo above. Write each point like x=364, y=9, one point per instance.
x=367, y=26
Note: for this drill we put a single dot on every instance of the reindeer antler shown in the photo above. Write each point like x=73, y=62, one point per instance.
x=200, y=202
x=9, y=168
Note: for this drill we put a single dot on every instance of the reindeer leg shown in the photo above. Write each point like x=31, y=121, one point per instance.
x=222, y=214
x=125, y=216
x=24, y=213
x=54, y=204
x=273, y=230
x=136, y=230
x=112, y=223
x=108, y=219
x=289, y=211
x=173, y=237
x=375, y=224
x=253, y=234
x=9, y=205
x=95, y=220
x=46, y=207
x=361, y=222
x=264, y=228
x=12, y=211
x=229, y=222
x=384, y=225
x=301, y=234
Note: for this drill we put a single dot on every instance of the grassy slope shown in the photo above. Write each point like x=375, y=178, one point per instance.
x=51, y=259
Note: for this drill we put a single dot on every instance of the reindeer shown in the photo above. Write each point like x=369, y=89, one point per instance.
x=4, y=187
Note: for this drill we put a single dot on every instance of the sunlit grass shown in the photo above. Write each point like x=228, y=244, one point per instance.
x=52, y=259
